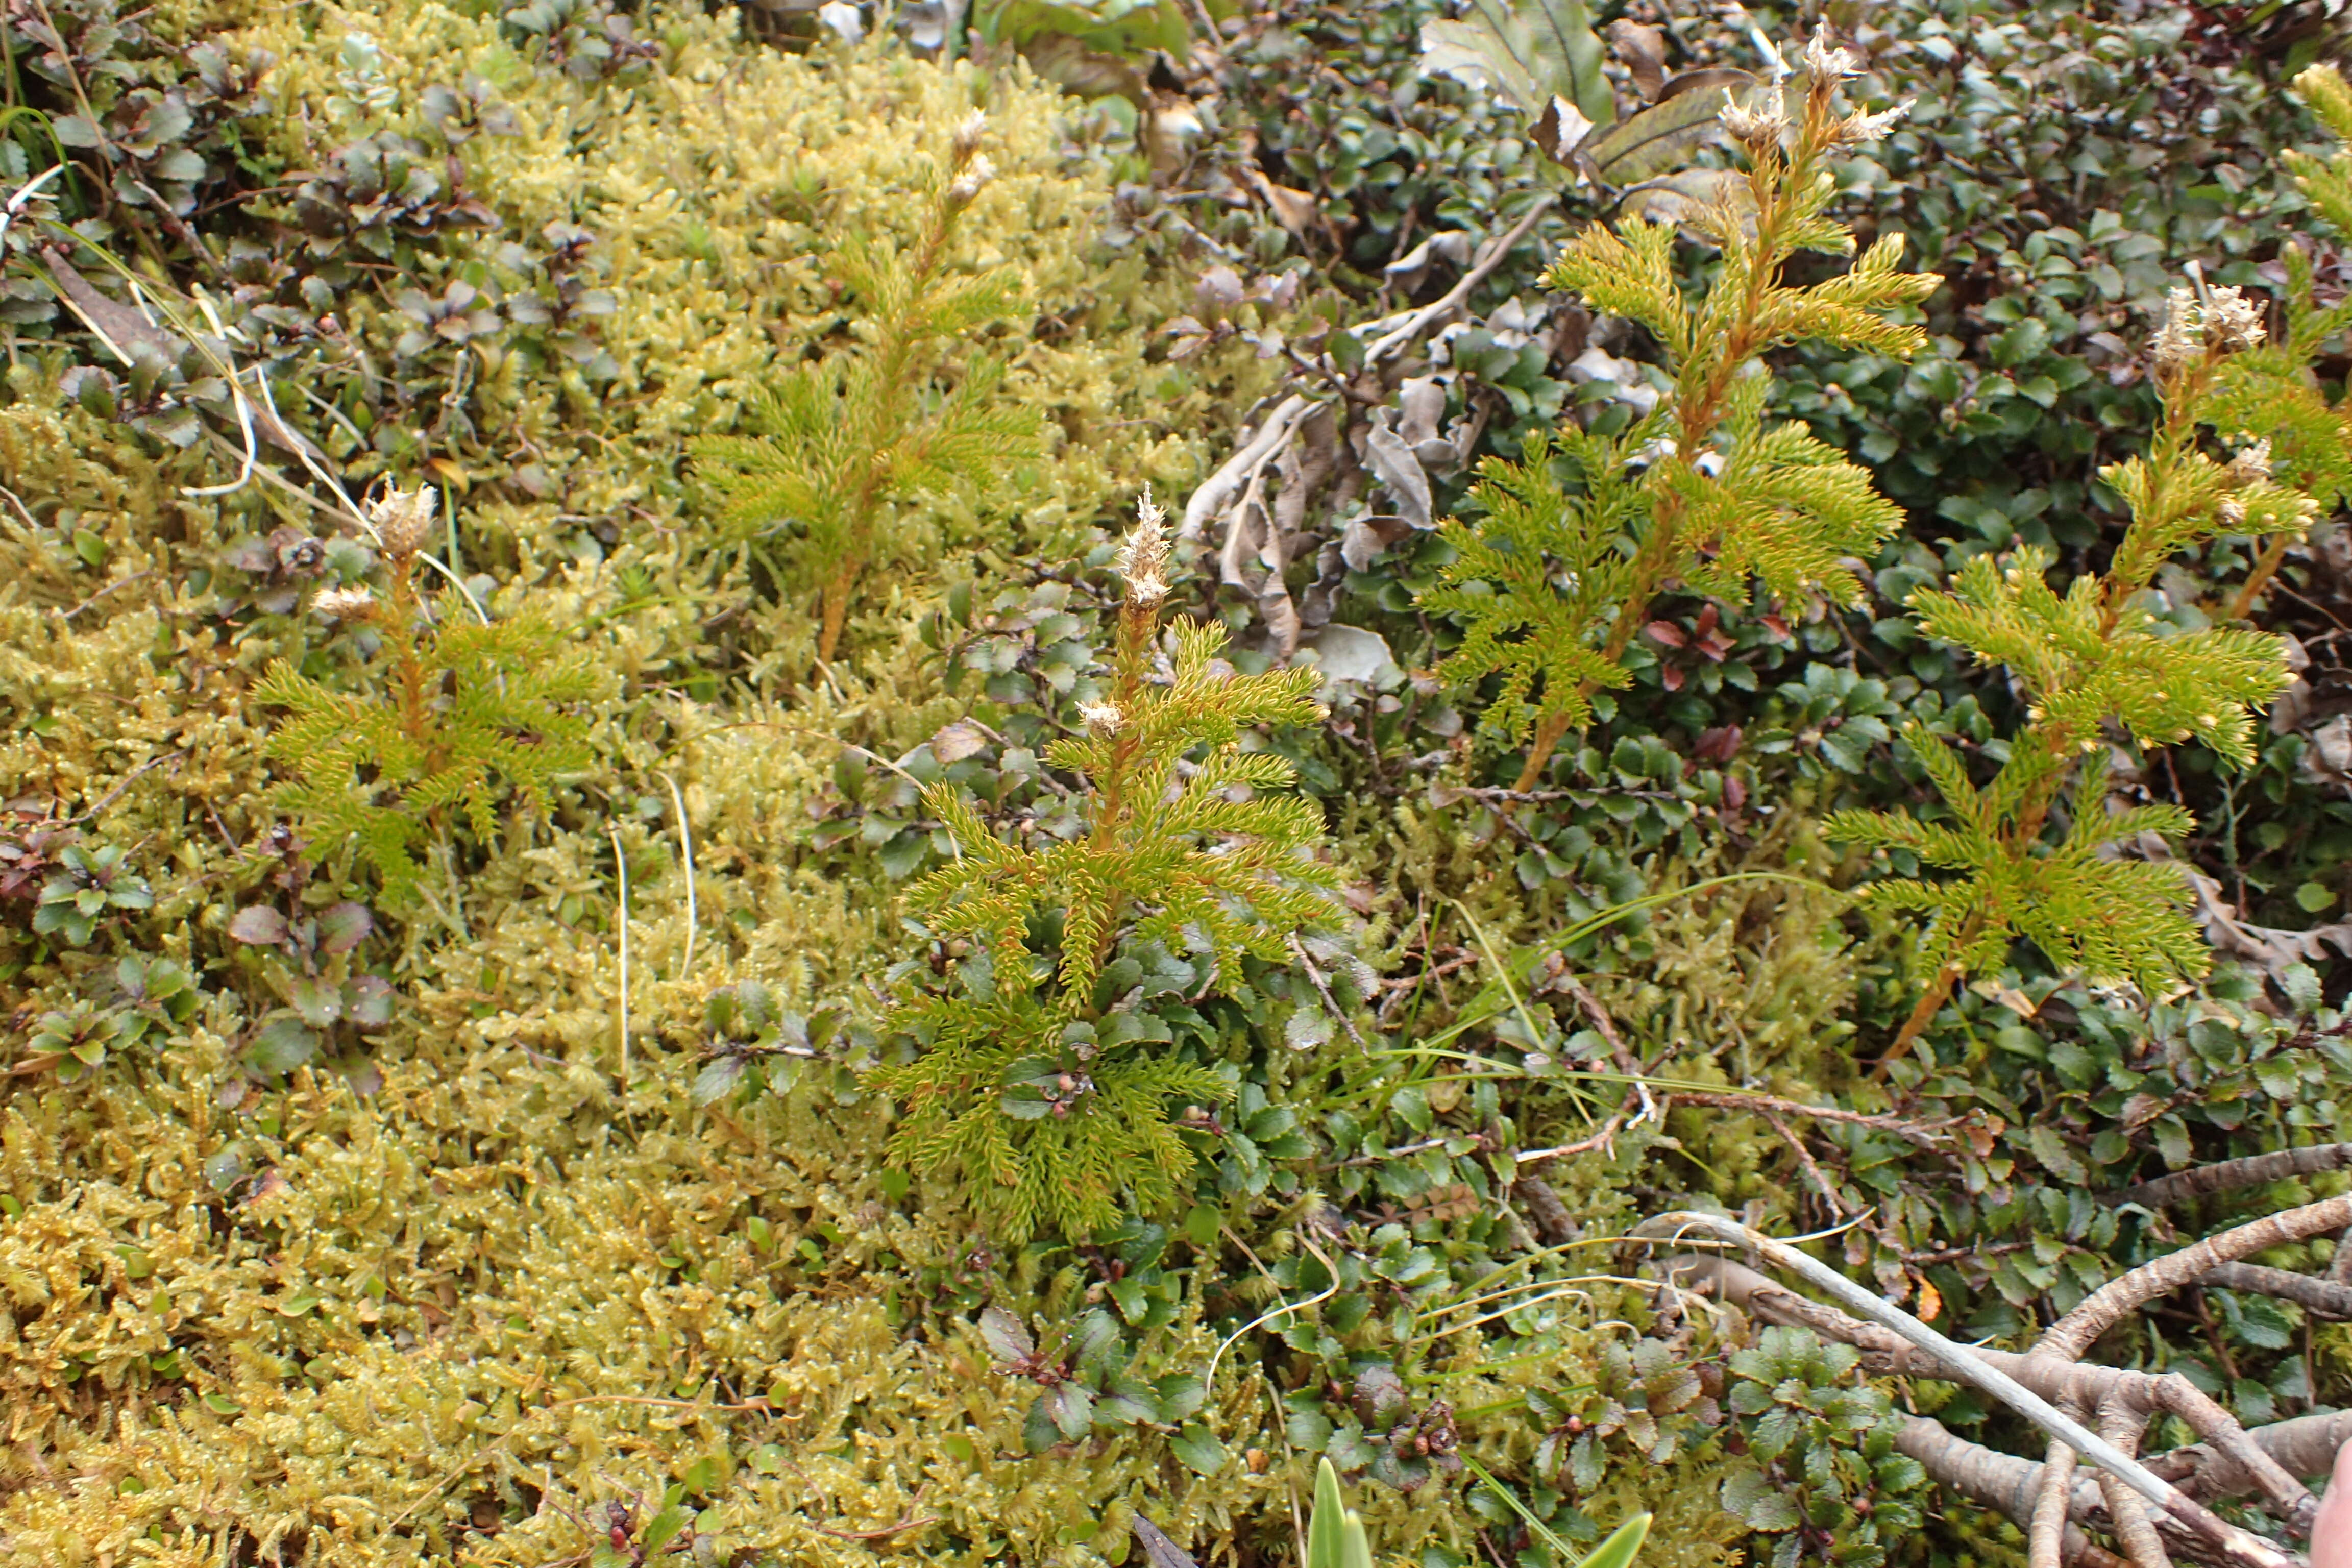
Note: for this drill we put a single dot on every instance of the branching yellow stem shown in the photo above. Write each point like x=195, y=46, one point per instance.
x=1698, y=414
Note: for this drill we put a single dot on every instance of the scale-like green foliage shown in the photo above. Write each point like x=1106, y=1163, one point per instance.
x=1045, y=1071
x=845, y=440
x=1535, y=576
x=2089, y=913
x=2270, y=388
x=2097, y=655
x=471, y=706
x=1552, y=581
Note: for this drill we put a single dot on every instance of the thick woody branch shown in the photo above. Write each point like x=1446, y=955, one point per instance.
x=2017, y=1381
x=2322, y=1297
x=2010, y=1485
x=1885, y=1354
x=2045, y=1530
x=2206, y=1471
x=2071, y=1334
x=2122, y=1426
x=2306, y=1446
x=2250, y=1172
x=1960, y=1363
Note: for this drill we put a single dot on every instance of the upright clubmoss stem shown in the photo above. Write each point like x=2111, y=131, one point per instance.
x=1143, y=565
x=1777, y=176
x=901, y=328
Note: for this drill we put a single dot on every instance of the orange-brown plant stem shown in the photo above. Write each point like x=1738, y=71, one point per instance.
x=895, y=357
x=1137, y=623
x=834, y=610
x=408, y=665
x=2241, y=603
x=1930, y=1003
x=1648, y=574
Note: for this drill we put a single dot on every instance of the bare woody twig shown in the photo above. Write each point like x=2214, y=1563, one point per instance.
x=2072, y=1334
x=2251, y=1171
x=2121, y=1425
x=2321, y=1298
x=2228, y=1543
x=1441, y=310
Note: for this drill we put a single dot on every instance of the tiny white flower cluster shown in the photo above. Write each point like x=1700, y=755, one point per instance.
x=403, y=520
x=973, y=170
x=1858, y=130
x=2221, y=319
x=1758, y=128
x=967, y=134
x=345, y=603
x=968, y=185
x=1143, y=557
x=1763, y=121
x=1102, y=718
x=1826, y=62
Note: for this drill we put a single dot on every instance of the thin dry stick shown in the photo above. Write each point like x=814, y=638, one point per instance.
x=620, y=863
x=111, y=796
x=2232, y=1545
x=686, y=851
x=1441, y=309
x=1315, y=978
x=1606, y=1028
x=1924, y=1134
x=1812, y=1172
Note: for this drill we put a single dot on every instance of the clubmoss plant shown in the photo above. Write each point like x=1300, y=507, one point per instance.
x=1553, y=581
x=846, y=441
x=2272, y=386
x=1045, y=1067
x=468, y=706
x=2034, y=845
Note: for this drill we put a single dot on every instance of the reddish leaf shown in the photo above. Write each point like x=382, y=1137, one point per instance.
x=1667, y=633
x=1718, y=745
x=259, y=926
x=1673, y=676
x=1006, y=1339
x=342, y=927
